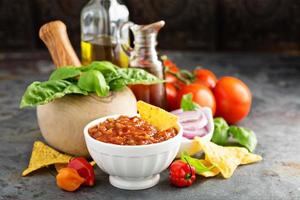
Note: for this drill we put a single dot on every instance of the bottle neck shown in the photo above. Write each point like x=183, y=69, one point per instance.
x=105, y=2
x=144, y=53
x=144, y=45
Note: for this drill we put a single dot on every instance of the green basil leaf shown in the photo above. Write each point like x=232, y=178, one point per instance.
x=199, y=167
x=138, y=76
x=65, y=73
x=187, y=103
x=244, y=137
x=220, y=135
x=39, y=93
x=117, y=84
x=108, y=69
x=102, y=66
x=94, y=81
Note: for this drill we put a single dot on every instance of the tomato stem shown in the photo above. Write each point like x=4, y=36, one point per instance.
x=178, y=76
x=189, y=175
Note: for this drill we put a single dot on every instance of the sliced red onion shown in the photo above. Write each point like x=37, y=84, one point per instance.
x=192, y=134
x=176, y=112
x=194, y=123
x=200, y=123
x=189, y=116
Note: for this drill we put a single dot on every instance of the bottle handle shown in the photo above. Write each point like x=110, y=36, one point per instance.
x=125, y=46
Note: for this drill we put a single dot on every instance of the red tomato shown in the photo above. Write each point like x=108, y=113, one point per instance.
x=201, y=95
x=170, y=78
x=233, y=99
x=172, y=66
x=205, y=77
x=171, y=96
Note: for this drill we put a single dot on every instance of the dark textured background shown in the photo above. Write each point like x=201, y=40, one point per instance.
x=210, y=25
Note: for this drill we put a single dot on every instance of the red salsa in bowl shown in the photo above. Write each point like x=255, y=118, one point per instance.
x=129, y=131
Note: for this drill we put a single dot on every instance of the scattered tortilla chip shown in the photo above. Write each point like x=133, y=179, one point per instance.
x=156, y=116
x=250, y=158
x=42, y=155
x=59, y=166
x=226, y=159
x=194, y=148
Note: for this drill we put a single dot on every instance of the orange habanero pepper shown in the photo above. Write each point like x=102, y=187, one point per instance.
x=68, y=179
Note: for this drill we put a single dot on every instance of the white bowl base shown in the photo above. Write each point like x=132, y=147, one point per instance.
x=134, y=184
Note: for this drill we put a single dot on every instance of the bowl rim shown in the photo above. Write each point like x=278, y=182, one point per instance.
x=101, y=119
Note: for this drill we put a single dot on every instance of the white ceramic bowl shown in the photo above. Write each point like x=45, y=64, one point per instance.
x=187, y=143
x=132, y=167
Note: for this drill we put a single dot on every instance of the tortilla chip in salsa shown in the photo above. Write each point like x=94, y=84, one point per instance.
x=159, y=118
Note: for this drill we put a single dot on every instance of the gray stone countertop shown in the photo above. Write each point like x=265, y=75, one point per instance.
x=275, y=117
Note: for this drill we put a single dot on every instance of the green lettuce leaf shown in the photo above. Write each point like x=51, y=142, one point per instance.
x=99, y=77
x=138, y=76
x=65, y=73
x=39, y=93
x=102, y=66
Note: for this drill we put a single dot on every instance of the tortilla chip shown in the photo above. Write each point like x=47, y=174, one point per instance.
x=226, y=159
x=194, y=148
x=42, y=155
x=59, y=166
x=156, y=116
x=250, y=158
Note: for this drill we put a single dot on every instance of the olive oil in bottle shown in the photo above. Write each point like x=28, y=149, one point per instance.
x=103, y=49
x=100, y=23
x=97, y=49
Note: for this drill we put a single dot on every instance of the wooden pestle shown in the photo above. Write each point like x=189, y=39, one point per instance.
x=54, y=35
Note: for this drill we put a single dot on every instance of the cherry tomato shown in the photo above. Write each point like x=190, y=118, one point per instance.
x=182, y=174
x=233, y=99
x=201, y=95
x=171, y=96
x=172, y=66
x=170, y=78
x=205, y=77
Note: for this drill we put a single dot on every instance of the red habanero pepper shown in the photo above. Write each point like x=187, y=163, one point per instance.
x=84, y=169
x=182, y=174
